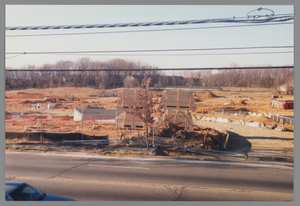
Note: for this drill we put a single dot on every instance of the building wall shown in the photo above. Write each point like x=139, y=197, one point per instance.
x=77, y=115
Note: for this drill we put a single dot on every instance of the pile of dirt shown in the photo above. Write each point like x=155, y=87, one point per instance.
x=23, y=95
x=242, y=102
x=169, y=130
x=210, y=95
x=7, y=113
x=28, y=102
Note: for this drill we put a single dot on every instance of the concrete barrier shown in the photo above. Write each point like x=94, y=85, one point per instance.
x=281, y=119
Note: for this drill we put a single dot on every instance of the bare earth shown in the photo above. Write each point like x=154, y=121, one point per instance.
x=241, y=136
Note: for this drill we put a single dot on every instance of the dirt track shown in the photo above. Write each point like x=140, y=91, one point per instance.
x=255, y=140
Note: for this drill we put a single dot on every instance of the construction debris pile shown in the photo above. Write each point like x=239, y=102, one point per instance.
x=175, y=127
x=173, y=137
x=200, y=138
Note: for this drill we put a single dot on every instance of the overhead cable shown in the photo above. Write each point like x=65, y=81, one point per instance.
x=149, y=50
x=206, y=54
x=217, y=54
x=262, y=19
x=152, y=30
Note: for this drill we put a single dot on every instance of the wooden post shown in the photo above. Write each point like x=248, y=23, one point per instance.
x=41, y=137
x=82, y=123
x=117, y=122
x=139, y=141
x=186, y=116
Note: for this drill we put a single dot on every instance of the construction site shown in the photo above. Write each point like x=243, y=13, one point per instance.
x=178, y=119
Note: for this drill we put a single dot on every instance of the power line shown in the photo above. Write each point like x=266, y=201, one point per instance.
x=152, y=30
x=162, y=23
x=217, y=54
x=148, y=69
x=154, y=50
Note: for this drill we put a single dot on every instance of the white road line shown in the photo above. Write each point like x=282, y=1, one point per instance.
x=141, y=168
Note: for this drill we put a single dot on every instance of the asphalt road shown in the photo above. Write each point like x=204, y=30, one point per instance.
x=92, y=178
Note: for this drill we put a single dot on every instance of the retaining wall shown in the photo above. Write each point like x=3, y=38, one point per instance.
x=280, y=119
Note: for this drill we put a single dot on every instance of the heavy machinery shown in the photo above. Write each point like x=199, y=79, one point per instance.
x=48, y=96
x=72, y=98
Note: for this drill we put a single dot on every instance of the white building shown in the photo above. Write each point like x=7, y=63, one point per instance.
x=96, y=114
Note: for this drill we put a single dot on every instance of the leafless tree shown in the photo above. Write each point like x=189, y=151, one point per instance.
x=143, y=107
x=130, y=82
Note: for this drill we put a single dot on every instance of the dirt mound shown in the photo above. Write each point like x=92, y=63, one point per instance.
x=23, y=95
x=7, y=113
x=210, y=95
x=242, y=102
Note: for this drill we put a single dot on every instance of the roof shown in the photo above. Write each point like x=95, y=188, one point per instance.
x=11, y=186
x=100, y=111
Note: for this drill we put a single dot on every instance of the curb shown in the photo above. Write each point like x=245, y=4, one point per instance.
x=166, y=158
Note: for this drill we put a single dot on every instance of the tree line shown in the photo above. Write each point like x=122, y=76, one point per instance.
x=110, y=78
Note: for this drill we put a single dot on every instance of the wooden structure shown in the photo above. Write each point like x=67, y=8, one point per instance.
x=177, y=104
x=126, y=99
x=178, y=99
x=126, y=120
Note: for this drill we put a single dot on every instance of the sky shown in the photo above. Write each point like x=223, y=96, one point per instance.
x=192, y=36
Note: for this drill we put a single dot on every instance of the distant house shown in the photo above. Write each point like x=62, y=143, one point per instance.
x=96, y=114
x=288, y=88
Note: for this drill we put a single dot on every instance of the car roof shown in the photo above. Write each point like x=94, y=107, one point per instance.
x=11, y=186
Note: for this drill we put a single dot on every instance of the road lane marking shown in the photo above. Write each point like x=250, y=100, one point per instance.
x=141, y=168
x=153, y=185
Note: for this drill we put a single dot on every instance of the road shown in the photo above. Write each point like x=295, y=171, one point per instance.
x=92, y=178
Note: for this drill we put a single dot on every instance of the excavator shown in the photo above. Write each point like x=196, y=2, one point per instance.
x=48, y=96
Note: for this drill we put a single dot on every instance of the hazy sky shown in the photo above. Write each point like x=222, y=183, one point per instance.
x=244, y=36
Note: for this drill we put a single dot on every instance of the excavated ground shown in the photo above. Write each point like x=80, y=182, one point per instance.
x=60, y=119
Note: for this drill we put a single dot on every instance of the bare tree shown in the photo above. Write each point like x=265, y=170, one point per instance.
x=130, y=82
x=242, y=83
x=143, y=107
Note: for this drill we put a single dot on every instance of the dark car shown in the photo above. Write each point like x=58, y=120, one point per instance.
x=21, y=191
